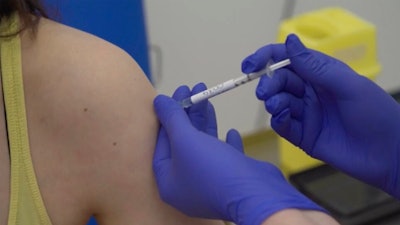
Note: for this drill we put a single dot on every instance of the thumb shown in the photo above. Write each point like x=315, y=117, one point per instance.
x=316, y=67
x=171, y=115
x=234, y=139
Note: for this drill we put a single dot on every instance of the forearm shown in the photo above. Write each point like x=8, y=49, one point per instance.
x=300, y=217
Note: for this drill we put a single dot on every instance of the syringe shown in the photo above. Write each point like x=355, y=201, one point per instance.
x=230, y=84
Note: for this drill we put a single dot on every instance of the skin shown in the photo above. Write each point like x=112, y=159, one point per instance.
x=300, y=217
x=92, y=132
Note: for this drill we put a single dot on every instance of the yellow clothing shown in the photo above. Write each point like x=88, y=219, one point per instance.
x=26, y=204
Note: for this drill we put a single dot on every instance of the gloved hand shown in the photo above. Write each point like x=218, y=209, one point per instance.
x=321, y=105
x=205, y=177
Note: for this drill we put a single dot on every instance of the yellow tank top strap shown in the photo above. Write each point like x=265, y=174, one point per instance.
x=26, y=204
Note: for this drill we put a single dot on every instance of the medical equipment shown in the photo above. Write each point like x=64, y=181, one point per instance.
x=348, y=200
x=233, y=83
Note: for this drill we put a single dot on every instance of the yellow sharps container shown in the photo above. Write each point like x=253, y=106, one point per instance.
x=338, y=33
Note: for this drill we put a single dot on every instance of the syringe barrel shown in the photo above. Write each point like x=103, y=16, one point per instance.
x=213, y=91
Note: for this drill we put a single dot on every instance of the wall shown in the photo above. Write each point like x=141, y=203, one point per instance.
x=207, y=40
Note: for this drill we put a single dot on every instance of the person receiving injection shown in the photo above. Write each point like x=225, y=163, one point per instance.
x=317, y=103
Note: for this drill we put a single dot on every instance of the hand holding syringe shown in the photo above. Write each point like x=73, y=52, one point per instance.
x=230, y=84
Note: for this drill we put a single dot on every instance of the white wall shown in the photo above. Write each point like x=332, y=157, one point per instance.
x=205, y=41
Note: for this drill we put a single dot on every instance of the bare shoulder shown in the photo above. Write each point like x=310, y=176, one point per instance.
x=90, y=112
x=88, y=92
x=83, y=72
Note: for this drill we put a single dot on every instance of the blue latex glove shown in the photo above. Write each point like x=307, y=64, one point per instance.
x=205, y=177
x=321, y=105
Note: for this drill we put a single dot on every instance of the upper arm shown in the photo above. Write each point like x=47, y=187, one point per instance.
x=92, y=131
x=111, y=124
